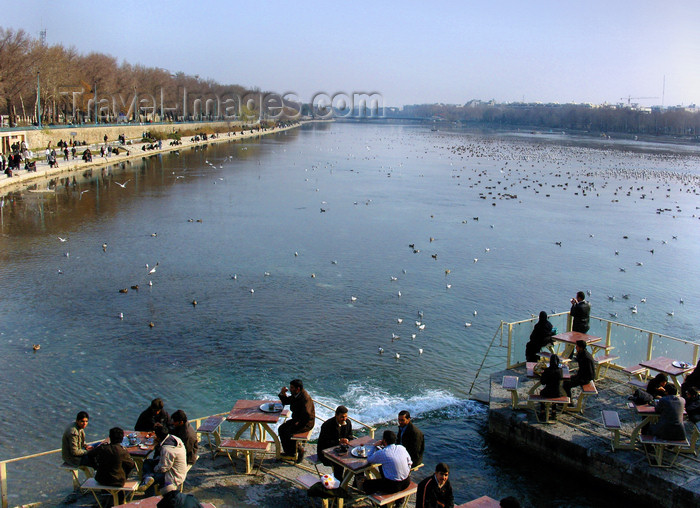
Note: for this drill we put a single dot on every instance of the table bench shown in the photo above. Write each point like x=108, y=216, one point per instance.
x=546, y=355
x=380, y=499
x=306, y=481
x=606, y=360
x=611, y=421
x=636, y=370
x=74, y=470
x=211, y=427
x=315, y=461
x=249, y=449
x=510, y=383
x=93, y=486
x=300, y=438
x=659, y=445
x=548, y=402
x=636, y=383
x=586, y=391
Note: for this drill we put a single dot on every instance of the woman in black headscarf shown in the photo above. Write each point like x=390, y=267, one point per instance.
x=553, y=379
x=540, y=337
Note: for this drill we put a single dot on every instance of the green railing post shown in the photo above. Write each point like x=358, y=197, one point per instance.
x=650, y=345
x=608, y=333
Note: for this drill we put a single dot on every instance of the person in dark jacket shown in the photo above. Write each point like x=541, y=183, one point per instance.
x=657, y=386
x=586, y=369
x=540, y=337
x=691, y=380
x=112, y=462
x=553, y=379
x=670, y=424
x=187, y=435
x=692, y=404
x=302, y=420
x=335, y=431
x=152, y=415
x=411, y=438
x=436, y=491
x=581, y=312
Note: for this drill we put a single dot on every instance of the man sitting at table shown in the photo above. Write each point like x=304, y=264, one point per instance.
x=436, y=491
x=335, y=431
x=171, y=466
x=396, y=467
x=187, y=435
x=302, y=420
x=73, y=448
x=152, y=415
x=410, y=437
x=586, y=369
x=670, y=409
x=112, y=462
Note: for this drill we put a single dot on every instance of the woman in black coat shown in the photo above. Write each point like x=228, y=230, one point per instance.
x=552, y=379
x=540, y=337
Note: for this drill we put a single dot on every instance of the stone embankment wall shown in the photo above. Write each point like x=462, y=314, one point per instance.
x=38, y=139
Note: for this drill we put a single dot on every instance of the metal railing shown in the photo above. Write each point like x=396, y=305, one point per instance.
x=196, y=422
x=633, y=345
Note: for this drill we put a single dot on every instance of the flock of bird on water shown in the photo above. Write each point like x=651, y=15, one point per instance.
x=521, y=176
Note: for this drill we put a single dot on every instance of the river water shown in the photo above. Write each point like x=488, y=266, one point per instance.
x=297, y=250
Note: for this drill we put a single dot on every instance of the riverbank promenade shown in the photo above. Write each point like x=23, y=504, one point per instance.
x=133, y=149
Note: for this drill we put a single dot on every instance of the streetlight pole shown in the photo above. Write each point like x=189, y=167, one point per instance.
x=38, y=99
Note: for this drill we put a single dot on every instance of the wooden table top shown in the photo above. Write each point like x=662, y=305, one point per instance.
x=482, y=502
x=665, y=365
x=152, y=502
x=347, y=460
x=572, y=337
x=138, y=451
x=249, y=411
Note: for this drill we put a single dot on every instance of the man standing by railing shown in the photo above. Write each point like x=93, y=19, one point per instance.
x=581, y=312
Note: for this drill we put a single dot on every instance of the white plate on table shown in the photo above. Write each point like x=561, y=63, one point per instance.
x=271, y=407
x=363, y=452
x=680, y=365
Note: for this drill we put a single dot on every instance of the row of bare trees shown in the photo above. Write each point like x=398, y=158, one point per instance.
x=66, y=83
x=578, y=117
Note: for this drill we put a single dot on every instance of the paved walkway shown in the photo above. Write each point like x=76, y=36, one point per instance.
x=23, y=178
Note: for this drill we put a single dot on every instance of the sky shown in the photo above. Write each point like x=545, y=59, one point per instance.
x=407, y=52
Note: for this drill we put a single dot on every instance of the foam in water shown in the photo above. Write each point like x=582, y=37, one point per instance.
x=373, y=406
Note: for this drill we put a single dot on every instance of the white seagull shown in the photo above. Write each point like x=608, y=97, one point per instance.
x=123, y=185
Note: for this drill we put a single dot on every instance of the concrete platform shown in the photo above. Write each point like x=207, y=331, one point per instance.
x=581, y=442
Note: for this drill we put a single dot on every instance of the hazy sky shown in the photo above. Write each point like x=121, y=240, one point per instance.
x=409, y=52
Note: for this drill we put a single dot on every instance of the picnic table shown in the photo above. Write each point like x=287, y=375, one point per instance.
x=352, y=465
x=256, y=420
x=665, y=365
x=570, y=338
x=145, y=444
